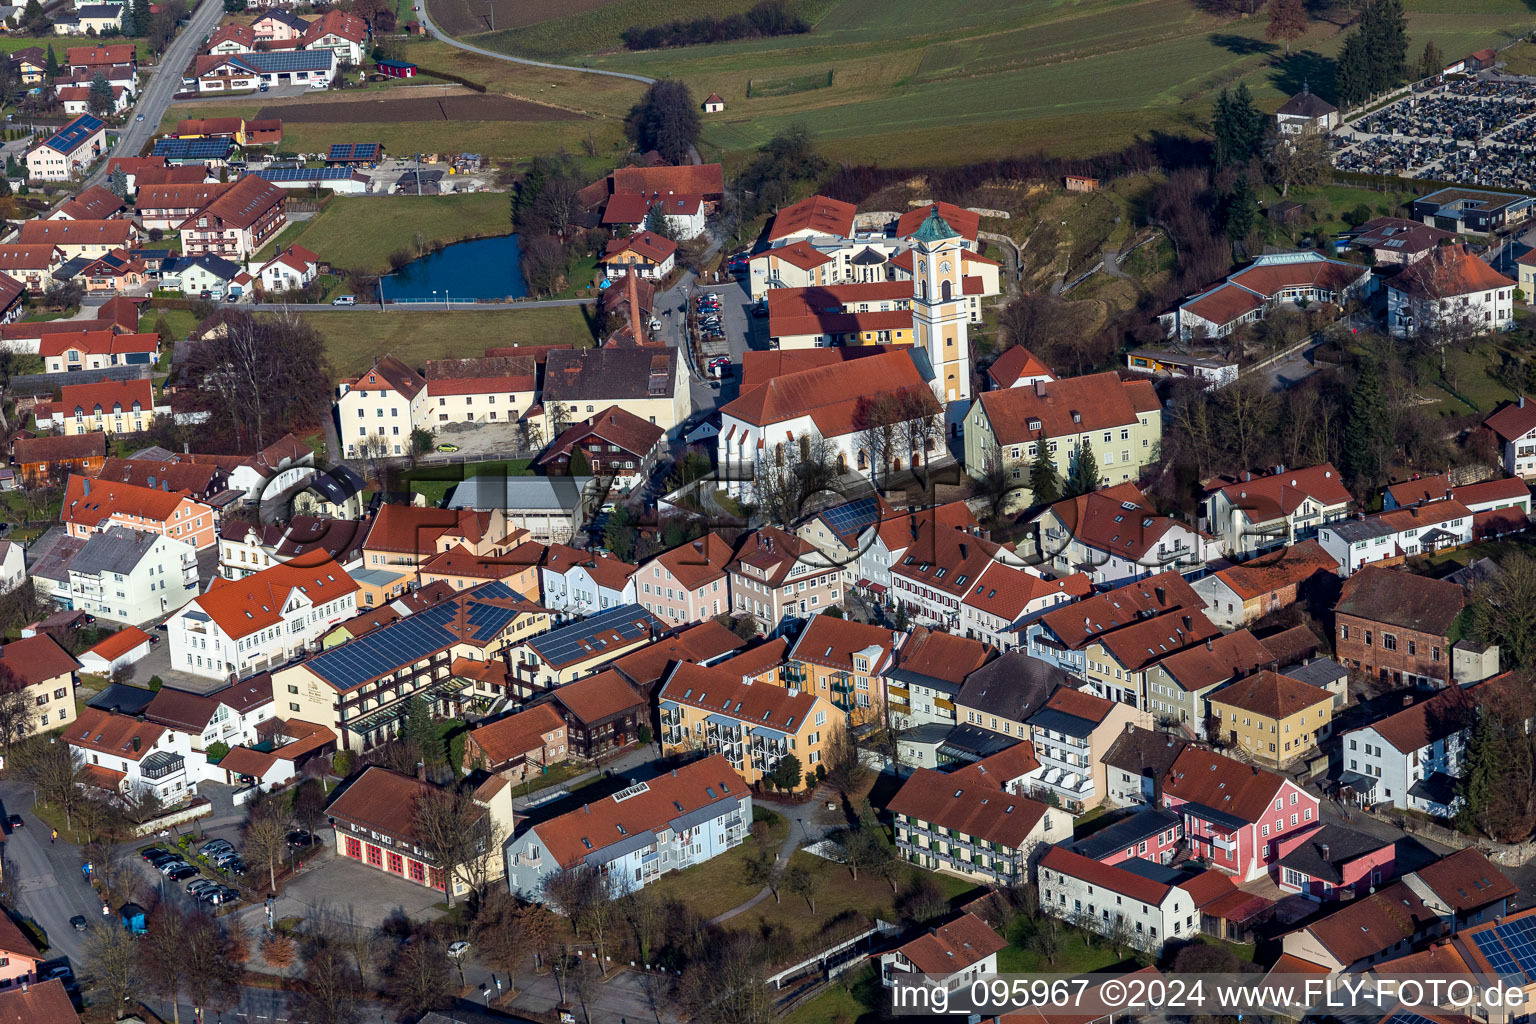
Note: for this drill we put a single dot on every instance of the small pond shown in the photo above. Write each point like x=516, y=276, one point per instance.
x=486, y=268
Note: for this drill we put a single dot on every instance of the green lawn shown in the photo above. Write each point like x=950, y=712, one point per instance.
x=1075, y=955
x=360, y=232
x=180, y=321
x=354, y=339
x=915, y=82
x=716, y=885
x=434, y=483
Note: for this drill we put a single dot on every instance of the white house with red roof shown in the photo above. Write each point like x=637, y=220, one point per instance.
x=583, y=582
x=1115, y=536
x=949, y=956
x=124, y=647
x=1514, y=424
x=1449, y=292
x=345, y=35
x=649, y=255
x=1235, y=814
x=1005, y=598
x=1114, y=901
x=129, y=755
x=1277, y=279
x=1278, y=509
x=1393, y=536
x=1017, y=367
x=239, y=626
x=378, y=408
x=289, y=270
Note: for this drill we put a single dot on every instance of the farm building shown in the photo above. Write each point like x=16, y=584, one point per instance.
x=1082, y=183
x=354, y=154
x=713, y=104
x=395, y=68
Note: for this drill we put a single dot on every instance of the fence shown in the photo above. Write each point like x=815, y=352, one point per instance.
x=200, y=808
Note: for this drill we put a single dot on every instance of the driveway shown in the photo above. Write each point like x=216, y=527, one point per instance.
x=49, y=886
x=337, y=884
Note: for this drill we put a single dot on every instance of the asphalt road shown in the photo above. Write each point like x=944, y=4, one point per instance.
x=445, y=37
x=49, y=884
x=164, y=83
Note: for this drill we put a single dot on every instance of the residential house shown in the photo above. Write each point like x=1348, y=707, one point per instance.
x=80, y=237
x=1121, y=421
x=243, y=71
x=1450, y=293
x=111, y=407
x=843, y=662
x=288, y=270
x=603, y=714
x=1334, y=863
x=1283, y=508
x=237, y=222
x=616, y=445
x=207, y=275
x=234, y=715
x=114, y=273
x=122, y=649
x=1115, y=536
x=1136, y=764
x=1514, y=425
x=938, y=570
x=51, y=457
x=678, y=819
x=1483, y=496
x=965, y=823
x=1397, y=625
x=1179, y=686
x=518, y=745
x=1001, y=695
x=96, y=506
x=1114, y=901
x=1306, y=112
x=127, y=755
x=46, y=674
x=378, y=409
x=1366, y=931
x=1235, y=814
x=926, y=674
x=375, y=824
x=19, y=975
x=76, y=99
x=1151, y=834
x=404, y=537
x=1390, y=537
x=102, y=58
x=704, y=644
x=776, y=576
x=364, y=687
x=97, y=349
x=30, y=65
x=345, y=35
x=32, y=265
x=950, y=956
x=94, y=203
x=1245, y=592
x=687, y=583
x=168, y=206
x=1062, y=636
x=1398, y=240
x=68, y=152
x=650, y=383
x=1006, y=598
x=1071, y=733
x=491, y=389
x=555, y=658
x=755, y=727
x=278, y=26
x=241, y=625
x=826, y=316
x=573, y=582
x=1017, y=367
x=1465, y=888
x=1272, y=718
x=233, y=38
x=1412, y=758
x=463, y=569
x=881, y=537
x=1118, y=661
x=130, y=575
x=649, y=255
x=13, y=566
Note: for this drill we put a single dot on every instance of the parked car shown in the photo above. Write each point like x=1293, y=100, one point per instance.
x=149, y=853
x=198, y=885
x=62, y=972
x=171, y=865
x=185, y=871
x=233, y=866
x=458, y=949
x=78, y=922
x=344, y=300
x=14, y=821
x=301, y=837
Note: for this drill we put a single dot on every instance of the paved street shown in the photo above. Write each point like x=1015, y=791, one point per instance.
x=49, y=885
x=164, y=83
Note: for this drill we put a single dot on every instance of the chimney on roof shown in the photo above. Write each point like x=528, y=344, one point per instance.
x=1189, y=623
x=1162, y=594
x=1208, y=643
x=1407, y=700
x=963, y=549
x=1130, y=727
x=1323, y=849
x=1522, y=401
x=137, y=743
x=1040, y=389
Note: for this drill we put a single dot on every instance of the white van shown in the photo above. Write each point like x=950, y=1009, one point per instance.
x=344, y=300
x=319, y=83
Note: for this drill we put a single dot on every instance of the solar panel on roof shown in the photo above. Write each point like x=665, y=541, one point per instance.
x=353, y=151
x=275, y=174
x=561, y=645
x=853, y=516
x=193, y=149
x=295, y=60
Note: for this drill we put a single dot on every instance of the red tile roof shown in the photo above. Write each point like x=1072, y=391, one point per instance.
x=967, y=222
x=1448, y=711
x=832, y=395
x=1265, y=498
x=1007, y=591
x=1271, y=695
x=1448, y=270
x=1467, y=880
x=608, y=571
x=697, y=562
x=1514, y=419
x=816, y=214
x=1365, y=928
x=1219, y=659
x=831, y=642
x=1105, y=876
x=105, y=498
x=1224, y=304
x=706, y=180
x=652, y=247
x=43, y=1002
x=704, y=642
x=101, y=341
x=243, y=203
x=383, y=801
x=596, y=697
x=60, y=448
x=37, y=659
x=77, y=232
x=1015, y=363
x=1433, y=488
x=515, y=735
x=107, y=396
x=941, y=655
x=1075, y=405
x=113, y=734
x=595, y=826
x=962, y=943
x=119, y=643
x=1270, y=279
x=1231, y=787
x=1140, y=644
x=244, y=606
x=1076, y=624
x=106, y=54
x=1118, y=520
x=719, y=691
x=800, y=254
x=414, y=530
x=1284, y=568
x=612, y=425
x=335, y=22
x=976, y=808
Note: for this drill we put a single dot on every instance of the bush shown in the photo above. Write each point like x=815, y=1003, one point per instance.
x=769, y=18
x=341, y=763
x=155, y=682
x=217, y=752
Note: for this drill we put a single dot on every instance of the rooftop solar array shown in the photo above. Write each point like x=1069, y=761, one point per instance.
x=269, y=62
x=414, y=637
x=193, y=149
x=1511, y=949
x=74, y=133
x=854, y=517
x=304, y=173
x=569, y=643
x=354, y=151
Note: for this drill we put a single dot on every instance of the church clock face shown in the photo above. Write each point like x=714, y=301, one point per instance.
x=944, y=267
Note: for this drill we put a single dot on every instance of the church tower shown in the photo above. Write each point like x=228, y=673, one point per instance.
x=940, y=317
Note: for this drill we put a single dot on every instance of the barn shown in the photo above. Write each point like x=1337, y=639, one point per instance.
x=396, y=68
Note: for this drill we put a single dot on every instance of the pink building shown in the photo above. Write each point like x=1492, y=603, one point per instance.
x=1235, y=814
x=1152, y=834
x=688, y=583
x=1330, y=861
x=18, y=957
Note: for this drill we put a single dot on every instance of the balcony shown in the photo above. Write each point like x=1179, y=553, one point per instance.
x=161, y=764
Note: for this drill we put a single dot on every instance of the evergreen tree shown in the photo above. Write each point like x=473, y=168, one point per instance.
x=1432, y=62
x=117, y=183
x=1352, y=74
x=141, y=15
x=1221, y=129
x=1085, y=474
x=129, y=26
x=1044, y=484
x=1241, y=208
x=1250, y=124
x=99, y=100
x=1367, y=434
x=51, y=66
x=1384, y=30
x=1480, y=772
x=418, y=729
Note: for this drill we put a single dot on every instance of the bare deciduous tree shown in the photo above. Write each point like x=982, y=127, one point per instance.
x=114, y=974
x=329, y=990
x=261, y=376
x=458, y=833
x=264, y=835
x=417, y=977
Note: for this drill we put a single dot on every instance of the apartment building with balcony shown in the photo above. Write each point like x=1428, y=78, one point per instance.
x=927, y=673
x=559, y=656
x=843, y=661
x=1115, y=536
x=1071, y=734
x=966, y=824
x=753, y=726
x=131, y=576
x=1235, y=815
x=122, y=754
x=684, y=817
x=1112, y=900
x=1063, y=635
x=362, y=688
x=1257, y=513
x=267, y=618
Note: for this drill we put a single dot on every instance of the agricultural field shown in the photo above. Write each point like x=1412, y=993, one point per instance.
x=355, y=338
x=360, y=232
x=909, y=81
